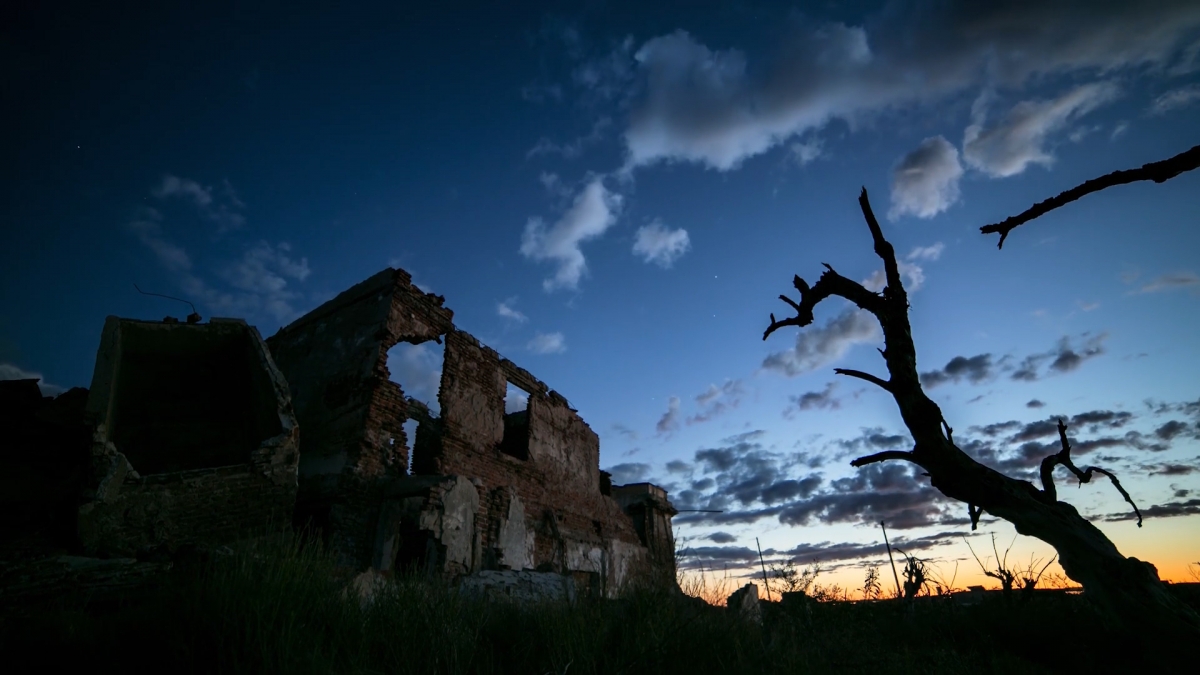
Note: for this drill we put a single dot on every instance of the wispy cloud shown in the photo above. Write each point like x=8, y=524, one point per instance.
x=258, y=282
x=654, y=243
x=1063, y=358
x=1174, y=99
x=147, y=225
x=548, y=343
x=594, y=211
x=174, y=186
x=505, y=310
x=716, y=400
x=220, y=204
x=807, y=150
x=929, y=253
x=925, y=181
x=714, y=107
x=814, y=400
x=670, y=420
x=1170, y=282
x=816, y=347
x=1018, y=140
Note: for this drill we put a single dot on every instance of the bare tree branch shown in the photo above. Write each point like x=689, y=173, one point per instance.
x=885, y=456
x=1156, y=171
x=1064, y=457
x=830, y=284
x=884, y=384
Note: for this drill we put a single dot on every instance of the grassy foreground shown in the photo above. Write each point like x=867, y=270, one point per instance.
x=281, y=607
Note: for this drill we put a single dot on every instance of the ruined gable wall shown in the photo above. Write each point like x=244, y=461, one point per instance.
x=561, y=476
x=352, y=415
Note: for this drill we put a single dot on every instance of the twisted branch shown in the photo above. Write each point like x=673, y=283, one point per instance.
x=830, y=284
x=1064, y=457
x=1156, y=171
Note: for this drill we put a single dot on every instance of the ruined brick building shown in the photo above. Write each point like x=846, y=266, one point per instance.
x=486, y=489
x=195, y=435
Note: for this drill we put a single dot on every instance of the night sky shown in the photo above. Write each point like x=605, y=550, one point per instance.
x=613, y=196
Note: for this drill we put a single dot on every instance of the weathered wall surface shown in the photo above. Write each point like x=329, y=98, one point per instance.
x=352, y=415
x=568, y=524
x=428, y=522
x=539, y=497
x=127, y=510
x=647, y=506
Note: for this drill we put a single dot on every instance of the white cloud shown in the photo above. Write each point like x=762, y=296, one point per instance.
x=656, y=244
x=505, y=310
x=1119, y=130
x=1018, y=140
x=670, y=420
x=9, y=371
x=713, y=107
x=593, y=212
x=515, y=400
x=912, y=274
x=1176, y=98
x=816, y=347
x=806, y=151
x=925, y=181
x=931, y=252
x=548, y=343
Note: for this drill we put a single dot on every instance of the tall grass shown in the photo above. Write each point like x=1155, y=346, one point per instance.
x=281, y=605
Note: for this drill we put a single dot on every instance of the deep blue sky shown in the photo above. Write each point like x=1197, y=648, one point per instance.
x=614, y=195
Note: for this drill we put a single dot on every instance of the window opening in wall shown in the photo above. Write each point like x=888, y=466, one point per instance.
x=417, y=368
x=516, y=422
x=410, y=433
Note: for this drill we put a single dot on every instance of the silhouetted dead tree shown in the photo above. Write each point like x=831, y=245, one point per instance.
x=1158, y=172
x=1128, y=586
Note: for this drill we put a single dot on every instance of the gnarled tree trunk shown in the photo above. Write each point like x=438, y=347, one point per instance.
x=1127, y=586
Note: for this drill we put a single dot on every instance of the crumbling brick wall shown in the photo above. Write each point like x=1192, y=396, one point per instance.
x=575, y=527
x=353, y=445
x=352, y=415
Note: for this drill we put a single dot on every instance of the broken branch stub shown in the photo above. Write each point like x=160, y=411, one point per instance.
x=1128, y=586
